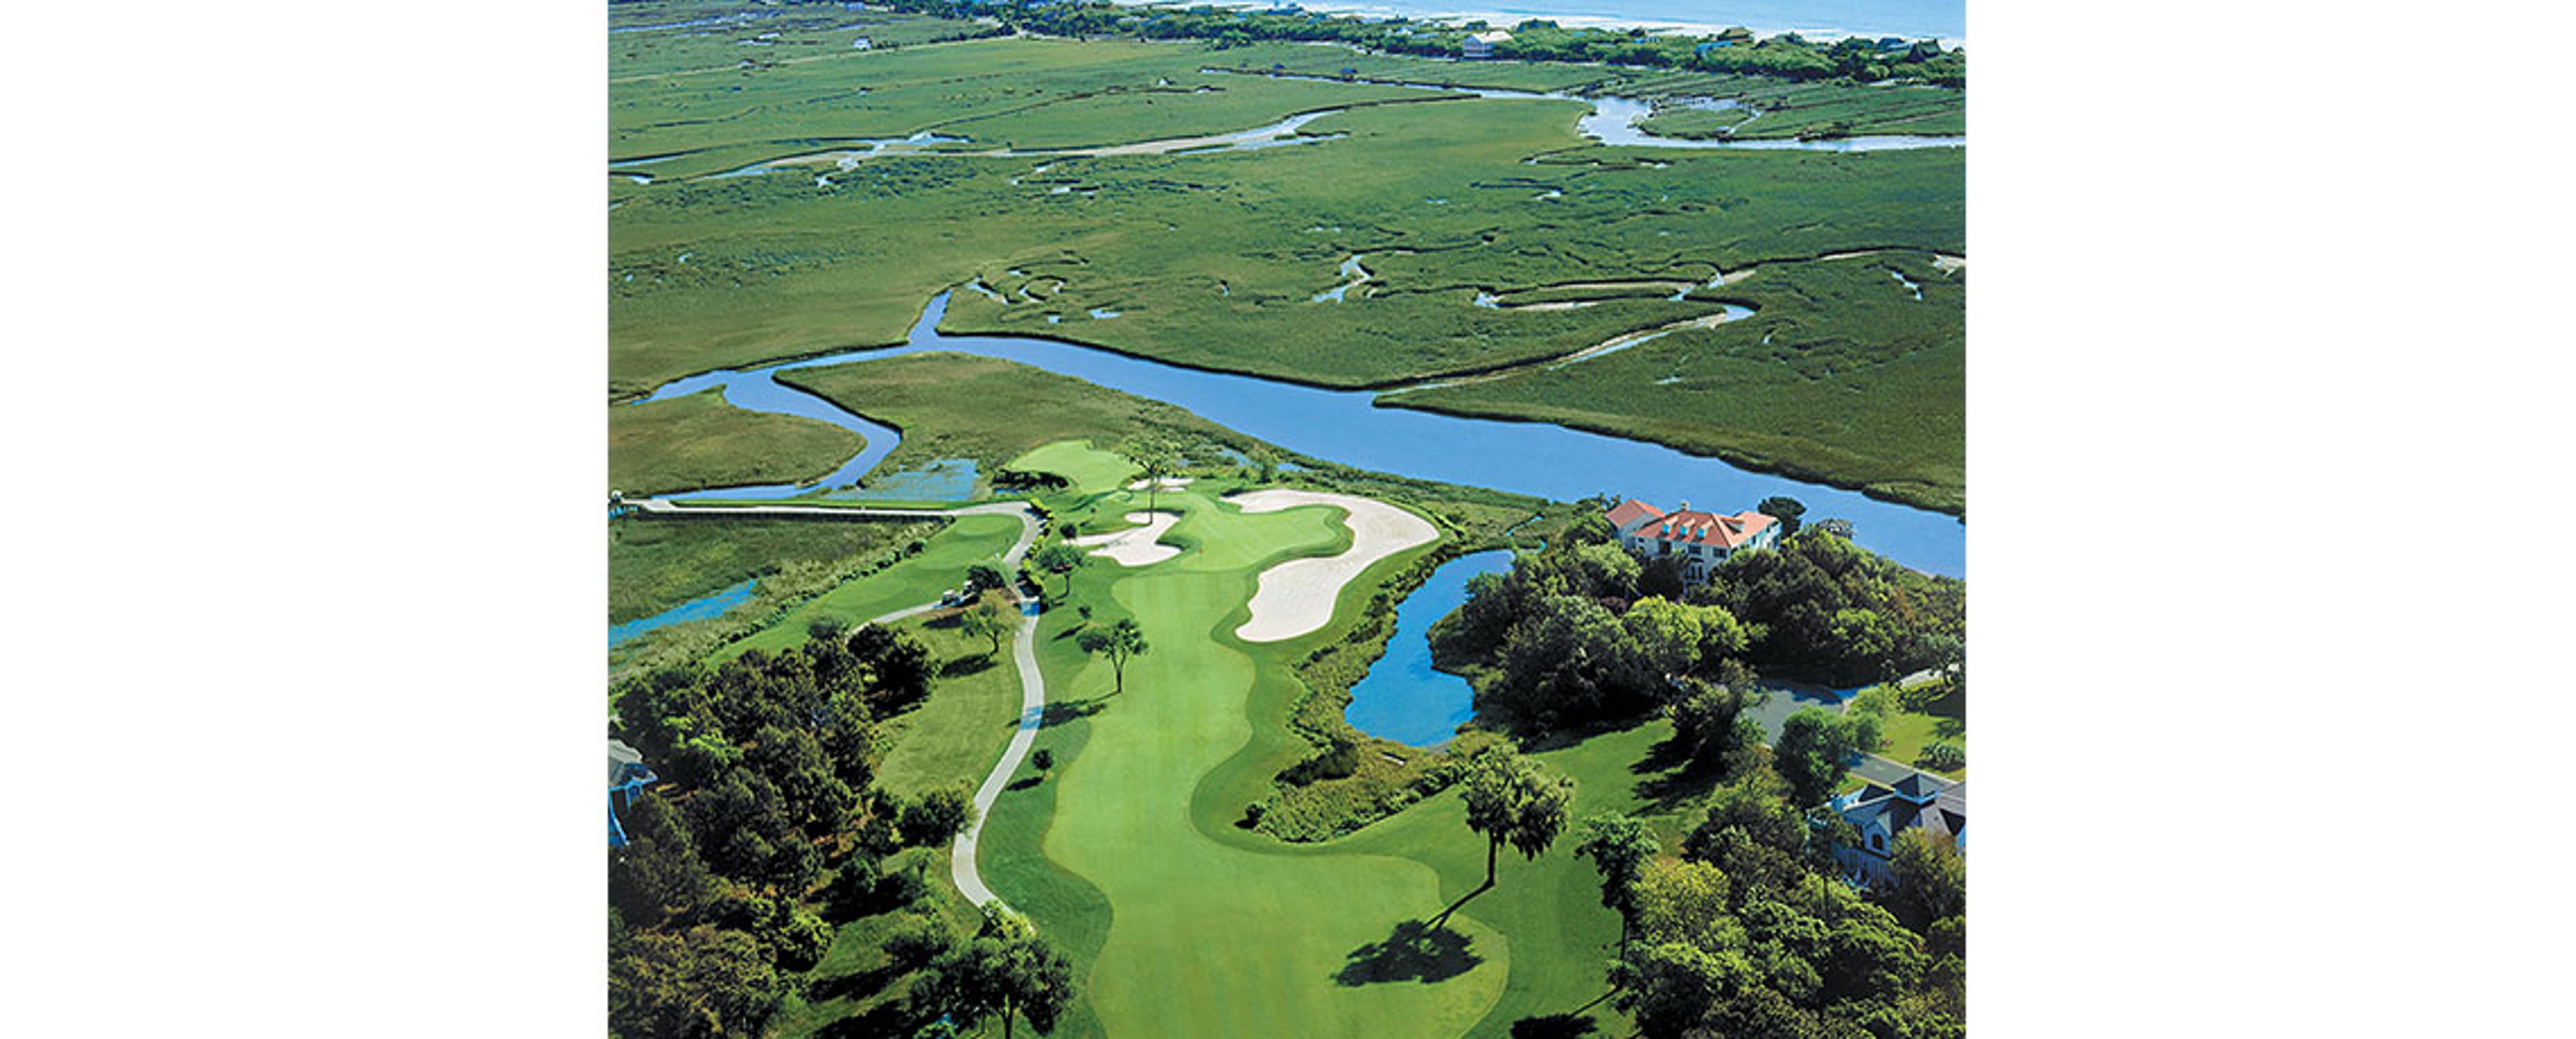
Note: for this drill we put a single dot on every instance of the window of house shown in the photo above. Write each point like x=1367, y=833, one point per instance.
x=1878, y=842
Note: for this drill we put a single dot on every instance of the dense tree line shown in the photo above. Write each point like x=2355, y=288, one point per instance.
x=1826, y=610
x=1566, y=638
x=769, y=826
x=1749, y=932
x=1786, y=55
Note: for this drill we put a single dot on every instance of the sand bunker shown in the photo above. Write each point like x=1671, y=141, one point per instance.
x=1135, y=546
x=1296, y=597
x=1169, y=483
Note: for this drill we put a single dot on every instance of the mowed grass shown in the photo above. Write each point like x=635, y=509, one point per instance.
x=1207, y=937
x=1088, y=468
x=957, y=734
x=700, y=441
x=655, y=564
x=941, y=565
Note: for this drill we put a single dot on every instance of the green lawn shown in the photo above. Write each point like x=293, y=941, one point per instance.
x=1908, y=733
x=1087, y=467
x=940, y=566
x=958, y=733
x=700, y=441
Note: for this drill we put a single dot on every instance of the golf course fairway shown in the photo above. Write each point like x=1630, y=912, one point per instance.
x=1215, y=936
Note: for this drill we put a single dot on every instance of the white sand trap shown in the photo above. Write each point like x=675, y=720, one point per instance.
x=1948, y=264
x=1169, y=483
x=1134, y=546
x=1296, y=597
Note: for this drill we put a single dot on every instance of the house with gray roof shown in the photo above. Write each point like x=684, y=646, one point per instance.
x=626, y=775
x=1936, y=806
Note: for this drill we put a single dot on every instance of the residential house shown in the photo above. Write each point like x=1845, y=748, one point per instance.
x=1702, y=539
x=626, y=775
x=1481, y=45
x=1917, y=802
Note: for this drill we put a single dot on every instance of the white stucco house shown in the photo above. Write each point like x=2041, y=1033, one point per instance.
x=1701, y=539
x=1481, y=45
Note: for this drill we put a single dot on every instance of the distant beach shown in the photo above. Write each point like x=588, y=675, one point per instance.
x=1944, y=20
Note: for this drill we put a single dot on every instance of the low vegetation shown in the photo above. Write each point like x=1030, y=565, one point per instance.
x=699, y=442
x=655, y=564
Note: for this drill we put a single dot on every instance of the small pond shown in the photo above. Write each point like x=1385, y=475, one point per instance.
x=1403, y=698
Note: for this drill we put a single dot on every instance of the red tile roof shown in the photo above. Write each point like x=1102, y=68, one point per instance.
x=1630, y=511
x=1707, y=528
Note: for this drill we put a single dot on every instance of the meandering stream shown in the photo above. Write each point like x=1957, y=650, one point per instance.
x=1349, y=426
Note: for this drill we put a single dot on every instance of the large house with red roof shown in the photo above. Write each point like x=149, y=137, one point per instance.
x=1701, y=539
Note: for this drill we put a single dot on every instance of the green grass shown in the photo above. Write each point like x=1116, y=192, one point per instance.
x=1796, y=388
x=940, y=566
x=655, y=564
x=1088, y=468
x=996, y=411
x=957, y=734
x=1908, y=733
x=700, y=441
x=1213, y=259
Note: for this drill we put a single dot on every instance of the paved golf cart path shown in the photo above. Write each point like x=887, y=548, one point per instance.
x=961, y=858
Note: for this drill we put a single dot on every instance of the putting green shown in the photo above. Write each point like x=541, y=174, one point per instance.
x=1090, y=468
x=1212, y=937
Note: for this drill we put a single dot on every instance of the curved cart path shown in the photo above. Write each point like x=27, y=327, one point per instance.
x=961, y=858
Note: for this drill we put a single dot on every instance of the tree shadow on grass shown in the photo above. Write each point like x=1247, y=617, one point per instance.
x=856, y=985
x=1416, y=951
x=1554, y=1026
x=885, y=1018
x=966, y=665
x=1059, y=712
x=1673, y=790
x=1025, y=783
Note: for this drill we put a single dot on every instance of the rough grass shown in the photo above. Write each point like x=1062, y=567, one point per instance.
x=700, y=441
x=994, y=411
x=655, y=564
x=1796, y=388
x=911, y=582
x=1213, y=259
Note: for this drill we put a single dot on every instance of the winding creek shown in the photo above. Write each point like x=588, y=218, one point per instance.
x=1349, y=427
x=1612, y=122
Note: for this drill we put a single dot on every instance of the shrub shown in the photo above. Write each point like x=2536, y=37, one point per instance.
x=1943, y=756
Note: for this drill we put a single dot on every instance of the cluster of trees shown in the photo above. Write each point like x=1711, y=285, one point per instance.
x=767, y=827
x=1824, y=609
x=1583, y=632
x=1748, y=931
x=1734, y=50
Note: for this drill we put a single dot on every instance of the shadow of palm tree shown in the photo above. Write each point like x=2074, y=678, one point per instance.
x=1416, y=951
x=1059, y=712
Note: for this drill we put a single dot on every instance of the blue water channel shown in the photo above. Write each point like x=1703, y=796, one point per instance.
x=1348, y=426
x=1403, y=698
x=693, y=610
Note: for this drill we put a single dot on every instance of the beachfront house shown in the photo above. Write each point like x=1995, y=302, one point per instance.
x=1701, y=539
x=626, y=775
x=1917, y=802
x=1481, y=45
